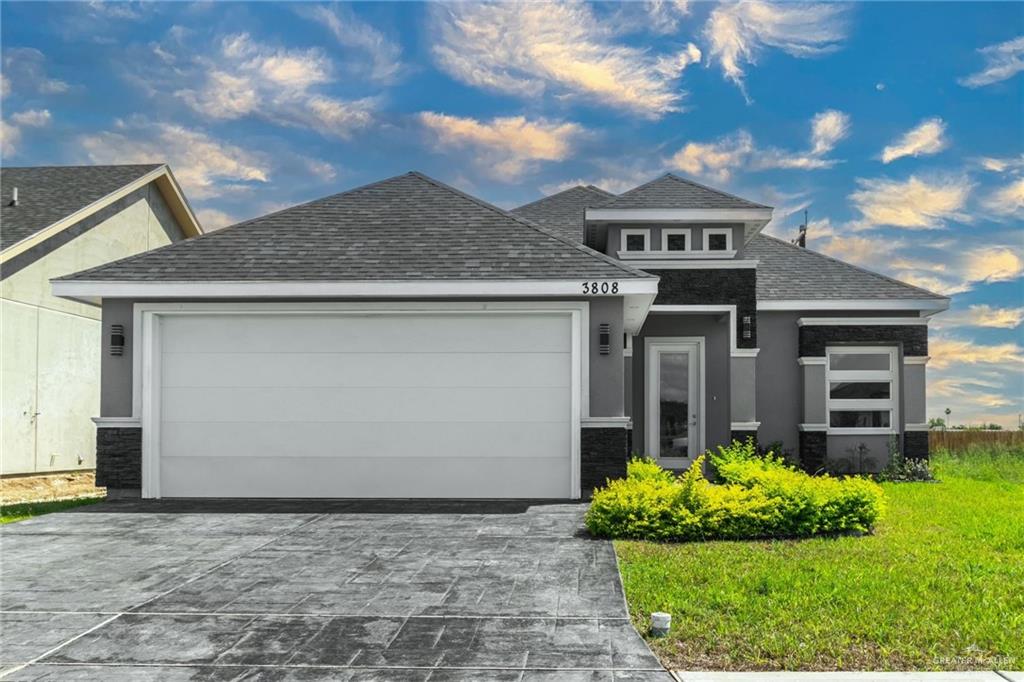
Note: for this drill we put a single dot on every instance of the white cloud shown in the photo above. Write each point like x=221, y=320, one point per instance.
x=913, y=204
x=947, y=351
x=385, y=56
x=507, y=146
x=5, y=86
x=1001, y=165
x=718, y=159
x=982, y=315
x=993, y=264
x=1002, y=61
x=11, y=131
x=34, y=118
x=738, y=32
x=1007, y=200
x=25, y=70
x=214, y=219
x=527, y=49
x=715, y=160
x=277, y=84
x=927, y=138
x=206, y=167
x=663, y=16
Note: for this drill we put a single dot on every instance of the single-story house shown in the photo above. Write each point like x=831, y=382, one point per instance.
x=405, y=339
x=57, y=220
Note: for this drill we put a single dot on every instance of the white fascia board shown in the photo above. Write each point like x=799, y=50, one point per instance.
x=86, y=290
x=932, y=304
x=635, y=308
x=860, y=321
x=704, y=215
x=691, y=264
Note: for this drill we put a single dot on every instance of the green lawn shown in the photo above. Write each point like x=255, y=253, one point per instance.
x=17, y=512
x=939, y=585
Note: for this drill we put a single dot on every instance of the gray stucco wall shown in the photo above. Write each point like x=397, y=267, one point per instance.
x=715, y=330
x=606, y=371
x=779, y=387
x=742, y=396
x=612, y=246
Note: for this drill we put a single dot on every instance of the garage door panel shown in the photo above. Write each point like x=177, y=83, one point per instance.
x=365, y=369
x=367, y=477
x=318, y=404
x=302, y=440
x=385, y=333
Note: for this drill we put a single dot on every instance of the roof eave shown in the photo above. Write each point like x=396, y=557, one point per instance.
x=166, y=184
x=924, y=306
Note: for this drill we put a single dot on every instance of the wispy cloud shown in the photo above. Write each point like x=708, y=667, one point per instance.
x=928, y=137
x=981, y=315
x=528, y=49
x=913, y=204
x=1001, y=164
x=205, y=166
x=717, y=160
x=947, y=351
x=385, y=55
x=25, y=70
x=1002, y=61
x=281, y=85
x=663, y=16
x=1008, y=200
x=506, y=146
x=739, y=32
x=215, y=219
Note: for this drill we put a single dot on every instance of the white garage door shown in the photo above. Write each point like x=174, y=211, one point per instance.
x=366, y=405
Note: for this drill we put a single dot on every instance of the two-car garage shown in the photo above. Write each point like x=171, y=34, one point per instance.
x=480, y=400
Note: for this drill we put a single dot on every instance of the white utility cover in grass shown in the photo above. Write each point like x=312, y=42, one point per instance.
x=442, y=404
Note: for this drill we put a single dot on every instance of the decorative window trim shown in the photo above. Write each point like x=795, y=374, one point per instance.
x=709, y=231
x=890, y=404
x=632, y=231
x=666, y=232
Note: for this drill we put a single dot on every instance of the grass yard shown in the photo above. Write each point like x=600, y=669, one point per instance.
x=17, y=512
x=939, y=585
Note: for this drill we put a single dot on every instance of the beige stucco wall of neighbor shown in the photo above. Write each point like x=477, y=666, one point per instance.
x=49, y=375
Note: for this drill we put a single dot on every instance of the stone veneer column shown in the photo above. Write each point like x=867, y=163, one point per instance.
x=604, y=451
x=119, y=461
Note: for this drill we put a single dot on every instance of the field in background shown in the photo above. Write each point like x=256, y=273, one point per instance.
x=958, y=440
x=936, y=587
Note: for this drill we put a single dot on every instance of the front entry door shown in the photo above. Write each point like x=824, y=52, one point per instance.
x=675, y=388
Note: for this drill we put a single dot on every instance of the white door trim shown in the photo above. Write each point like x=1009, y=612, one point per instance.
x=652, y=346
x=146, y=364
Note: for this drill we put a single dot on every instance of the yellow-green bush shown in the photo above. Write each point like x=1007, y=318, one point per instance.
x=758, y=497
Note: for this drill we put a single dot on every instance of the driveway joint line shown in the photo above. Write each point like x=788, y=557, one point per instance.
x=286, y=614
x=61, y=645
x=328, y=666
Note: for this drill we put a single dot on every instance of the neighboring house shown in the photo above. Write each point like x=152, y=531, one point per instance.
x=404, y=339
x=53, y=221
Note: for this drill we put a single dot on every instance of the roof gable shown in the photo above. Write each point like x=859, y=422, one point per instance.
x=789, y=272
x=409, y=227
x=671, y=191
x=565, y=212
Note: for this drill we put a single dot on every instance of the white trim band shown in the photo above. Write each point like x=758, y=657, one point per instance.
x=861, y=321
x=706, y=215
x=929, y=304
x=744, y=426
x=606, y=423
x=916, y=359
x=813, y=360
x=689, y=263
x=813, y=427
x=117, y=422
x=916, y=427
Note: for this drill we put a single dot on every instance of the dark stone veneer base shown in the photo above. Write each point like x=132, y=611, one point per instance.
x=915, y=445
x=119, y=458
x=603, y=455
x=813, y=451
x=706, y=287
x=814, y=339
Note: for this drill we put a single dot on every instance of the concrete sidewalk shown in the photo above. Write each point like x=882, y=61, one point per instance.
x=972, y=676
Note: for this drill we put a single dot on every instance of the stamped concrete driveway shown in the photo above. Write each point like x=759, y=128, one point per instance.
x=308, y=591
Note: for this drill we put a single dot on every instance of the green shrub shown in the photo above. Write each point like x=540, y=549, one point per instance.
x=758, y=497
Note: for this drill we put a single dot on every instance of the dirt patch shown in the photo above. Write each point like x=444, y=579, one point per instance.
x=48, y=487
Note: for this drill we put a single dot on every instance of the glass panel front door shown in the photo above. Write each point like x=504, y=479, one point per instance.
x=674, y=404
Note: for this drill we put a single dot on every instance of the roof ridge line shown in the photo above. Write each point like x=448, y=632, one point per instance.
x=680, y=178
x=549, y=196
x=565, y=240
x=855, y=267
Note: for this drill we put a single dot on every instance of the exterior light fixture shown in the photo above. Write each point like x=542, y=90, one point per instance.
x=604, y=338
x=117, y=339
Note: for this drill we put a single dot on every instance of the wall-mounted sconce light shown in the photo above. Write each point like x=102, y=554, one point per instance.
x=747, y=333
x=117, y=339
x=604, y=338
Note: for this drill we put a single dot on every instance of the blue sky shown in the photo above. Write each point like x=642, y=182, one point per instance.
x=898, y=126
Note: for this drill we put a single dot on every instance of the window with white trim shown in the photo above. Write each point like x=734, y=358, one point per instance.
x=635, y=240
x=717, y=239
x=861, y=389
x=676, y=239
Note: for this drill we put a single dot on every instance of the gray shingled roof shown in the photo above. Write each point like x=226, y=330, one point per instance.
x=565, y=212
x=406, y=227
x=673, y=191
x=47, y=194
x=788, y=272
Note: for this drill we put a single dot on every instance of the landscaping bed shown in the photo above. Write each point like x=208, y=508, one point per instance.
x=937, y=585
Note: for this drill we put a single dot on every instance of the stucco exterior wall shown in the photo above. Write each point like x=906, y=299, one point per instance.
x=715, y=330
x=779, y=385
x=50, y=376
